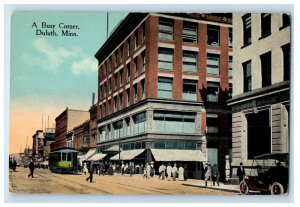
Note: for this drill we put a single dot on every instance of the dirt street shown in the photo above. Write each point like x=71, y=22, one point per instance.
x=51, y=183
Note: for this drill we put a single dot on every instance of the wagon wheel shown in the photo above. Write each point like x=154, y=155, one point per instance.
x=277, y=189
x=244, y=188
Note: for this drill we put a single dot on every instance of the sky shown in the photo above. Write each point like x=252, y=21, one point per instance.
x=49, y=73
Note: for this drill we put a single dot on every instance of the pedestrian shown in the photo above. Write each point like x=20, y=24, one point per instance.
x=31, y=168
x=174, y=172
x=180, y=173
x=85, y=169
x=130, y=168
x=148, y=169
x=162, y=171
x=91, y=172
x=241, y=172
x=207, y=171
x=169, y=171
x=152, y=173
x=215, y=174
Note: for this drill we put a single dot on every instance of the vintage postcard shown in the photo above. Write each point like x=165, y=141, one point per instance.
x=150, y=103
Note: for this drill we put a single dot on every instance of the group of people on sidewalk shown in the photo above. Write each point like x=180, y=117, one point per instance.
x=171, y=172
x=211, y=174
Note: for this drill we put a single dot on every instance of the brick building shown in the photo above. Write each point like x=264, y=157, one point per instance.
x=38, y=143
x=163, y=82
x=260, y=103
x=65, y=122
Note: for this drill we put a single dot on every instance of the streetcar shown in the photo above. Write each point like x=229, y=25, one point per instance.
x=63, y=160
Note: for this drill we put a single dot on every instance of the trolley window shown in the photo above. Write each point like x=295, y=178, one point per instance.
x=63, y=156
x=69, y=157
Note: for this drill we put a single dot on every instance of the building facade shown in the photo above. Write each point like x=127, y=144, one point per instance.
x=38, y=143
x=260, y=103
x=163, y=82
x=65, y=122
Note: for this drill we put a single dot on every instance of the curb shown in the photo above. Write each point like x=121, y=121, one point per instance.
x=214, y=188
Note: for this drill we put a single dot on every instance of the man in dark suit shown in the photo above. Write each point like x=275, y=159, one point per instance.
x=31, y=168
x=241, y=172
x=91, y=172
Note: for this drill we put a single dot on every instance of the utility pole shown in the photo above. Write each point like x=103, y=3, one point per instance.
x=107, y=17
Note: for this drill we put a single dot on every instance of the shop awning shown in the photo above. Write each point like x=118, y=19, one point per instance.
x=164, y=155
x=114, y=148
x=128, y=154
x=89, y=154
x=97, y=157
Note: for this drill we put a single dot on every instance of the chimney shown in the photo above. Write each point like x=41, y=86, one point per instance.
x=93, y=99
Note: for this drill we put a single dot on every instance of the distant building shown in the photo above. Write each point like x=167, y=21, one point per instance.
x=38, y=143
x=261, y=92
x=163, y=82
x=65, y=122
x=49, y=137
x=81, y=137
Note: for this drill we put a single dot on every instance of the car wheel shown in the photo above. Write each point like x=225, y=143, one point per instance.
x=277, y=189
x=244, y=188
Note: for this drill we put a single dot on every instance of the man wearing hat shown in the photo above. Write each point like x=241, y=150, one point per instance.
x=207, y=174
x=241, y=172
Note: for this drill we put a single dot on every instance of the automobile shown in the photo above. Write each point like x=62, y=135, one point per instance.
x=269, y=174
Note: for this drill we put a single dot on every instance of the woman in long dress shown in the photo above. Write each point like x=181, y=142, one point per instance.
x=180, y=173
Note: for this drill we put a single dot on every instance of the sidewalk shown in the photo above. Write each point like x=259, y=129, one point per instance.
x=222, y=187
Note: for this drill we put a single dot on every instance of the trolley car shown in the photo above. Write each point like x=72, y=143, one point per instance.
x=63, y=161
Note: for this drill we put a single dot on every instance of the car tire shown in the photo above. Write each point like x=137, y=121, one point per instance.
x=277, y=189
x=244, y=188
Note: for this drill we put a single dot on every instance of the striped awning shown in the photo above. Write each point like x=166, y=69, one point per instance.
x=89, y=154
x=164, y=155
x=128, y=154
x=97, y=157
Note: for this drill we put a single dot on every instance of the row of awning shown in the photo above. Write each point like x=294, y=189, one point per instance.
x=160, y=155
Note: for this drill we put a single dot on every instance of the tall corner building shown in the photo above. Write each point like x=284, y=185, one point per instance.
x=261, y=78
x=163, y=83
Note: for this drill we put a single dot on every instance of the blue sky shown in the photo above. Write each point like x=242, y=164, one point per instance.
x=50, y=73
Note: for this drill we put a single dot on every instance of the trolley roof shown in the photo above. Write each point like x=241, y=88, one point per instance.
x=64, y=150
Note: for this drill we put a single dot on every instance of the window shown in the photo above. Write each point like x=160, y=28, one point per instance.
x=128, y=97
x=116, y=81
x=230, y=67
x=213, y=91
x=247, y=76
x=189, y=90
x=143, y=32
x=212, y=64
x=108, y=132
x=286, y=50
x=135, y=93
x=162, y=144
x=109, y=85
x=63, y=156
x=212, y=124
x=165, y=59
x=127, y=120
x=143, y=89
x=109, y=107
x=189, y=33
x=116, y=59
x=128, y=47
x=136, y=39
x=135, y=67
x=121, y=100
x=266, y=70
x=189, y=61
x=213, y=35
x=118, y=129
x=230, y=91
x=128, y=72
x=115, y=103
x=286, y=20
x=102, y=134
x=247, y=28
x=139, y=123
x=143, y=61
x=174, y=122
x=109, y=66
x=121, y=77
x=104, y=70
x=265, y=24
x=230, y=38
x=104, y=90
x=165, y=29
x=165, y=86
x=122, y=52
